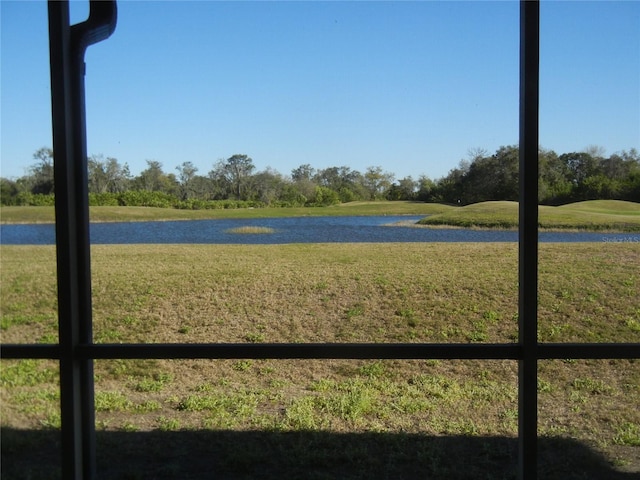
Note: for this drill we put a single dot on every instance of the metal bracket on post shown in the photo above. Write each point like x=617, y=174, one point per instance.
x=67, y=45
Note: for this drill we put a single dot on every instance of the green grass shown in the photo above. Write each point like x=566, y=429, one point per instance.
x=132, y=214
x=336, y=293
x=596, y=215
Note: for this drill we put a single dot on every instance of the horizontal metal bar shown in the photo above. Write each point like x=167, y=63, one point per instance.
x=549, y=351
x=304, y=350
x=30, y=351
x=442, y=351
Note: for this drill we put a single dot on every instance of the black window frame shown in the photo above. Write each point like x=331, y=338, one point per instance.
x=76, y=350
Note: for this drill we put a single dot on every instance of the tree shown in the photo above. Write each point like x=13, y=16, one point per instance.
x=303, y=173
x=267, y=186
x=8, y=191
x=376, y=182
x=325, y=197
x=449, y=188
x=345, y=182
x=153, y=179
x=186, y=175
x=303, y=181
x=404, y=189
x=426, y=189
x=107, y=175
x=236, y=170
x=492, y=178
x=580, y=165
x=554, y=186
x=42, y=171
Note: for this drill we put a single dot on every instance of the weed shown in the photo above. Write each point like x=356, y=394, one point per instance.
x=594, y=387
x=242, y=365
x=26, y=373
x=633, y=324
x=255, y=337
x=627, y=434
x=129, y=427
x=323, y=385
x=112, y=402
x=320, y=286
x=53, y=420
x=491, y=316
x=168, y=424
x=543, y=386
x=350, y=405
x=409, y=315
x=153, y=384
x=7, y=321
x=148, y=406
x=301, y=414
x=374, y=369
x=355, y=311
x=108, y=336
x=48, y=338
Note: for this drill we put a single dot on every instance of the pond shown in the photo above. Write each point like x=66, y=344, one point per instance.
x=288, y=230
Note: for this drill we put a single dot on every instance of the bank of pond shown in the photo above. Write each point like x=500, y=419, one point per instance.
x=331, y=229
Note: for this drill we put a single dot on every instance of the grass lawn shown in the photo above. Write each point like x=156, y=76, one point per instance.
x=329, y=418
x=132, y=214
x=595, y=215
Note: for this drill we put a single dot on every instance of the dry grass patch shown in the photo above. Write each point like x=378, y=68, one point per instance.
x=336, y=293
x=251, y=230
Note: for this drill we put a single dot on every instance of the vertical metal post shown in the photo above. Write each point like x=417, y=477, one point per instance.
x=66, y=47
x=76, y=444
x=528, y=239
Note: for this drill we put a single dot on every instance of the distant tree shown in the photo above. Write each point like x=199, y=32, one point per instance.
x=580, y=165
x=107, y=175
x=347, y=183
x=403, y=189
x=303, y=173
x=303, y=180
x=236, y=171
x=376, y=182
x=42, y=171
x=267, y=186
x=554, y=186
x=476, y=153
x=449, y=189
x=492, y=178
x=426, y=189
x=202, y=188
x=186, y=175
x=8, y=191
x=324, y=196
x=153, y=179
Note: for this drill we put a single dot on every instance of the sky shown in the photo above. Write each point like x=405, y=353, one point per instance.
x=411, y=87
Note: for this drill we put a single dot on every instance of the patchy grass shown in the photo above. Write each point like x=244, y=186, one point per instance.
x=596, y=215
x=251, y=230
x=337, y=293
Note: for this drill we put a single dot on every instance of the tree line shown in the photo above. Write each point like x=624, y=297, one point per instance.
x=234, y=182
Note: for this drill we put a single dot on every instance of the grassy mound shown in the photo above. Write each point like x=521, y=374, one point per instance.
x=595, y=215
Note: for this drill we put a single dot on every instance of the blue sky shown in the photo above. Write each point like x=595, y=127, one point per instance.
x=408, y=86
